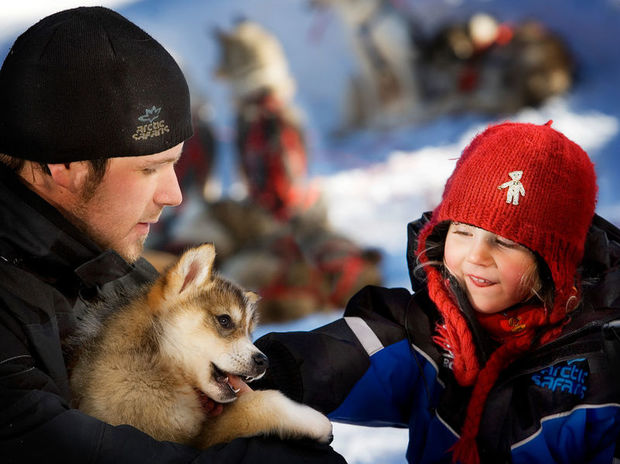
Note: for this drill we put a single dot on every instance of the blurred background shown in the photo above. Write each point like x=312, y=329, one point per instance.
x=322, y=127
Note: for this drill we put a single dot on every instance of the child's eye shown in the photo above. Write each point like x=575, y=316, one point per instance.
x=506, y=243
x=462, y=229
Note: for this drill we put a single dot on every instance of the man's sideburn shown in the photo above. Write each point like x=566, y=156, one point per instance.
x=96, y=172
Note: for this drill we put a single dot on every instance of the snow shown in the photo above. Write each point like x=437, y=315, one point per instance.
x=377, y=181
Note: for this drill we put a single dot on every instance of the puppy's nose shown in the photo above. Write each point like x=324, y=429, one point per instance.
x=260, y=360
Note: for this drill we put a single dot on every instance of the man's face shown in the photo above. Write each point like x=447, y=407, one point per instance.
x=130, y=197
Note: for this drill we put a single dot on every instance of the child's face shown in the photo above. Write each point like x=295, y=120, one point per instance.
x=494, y=271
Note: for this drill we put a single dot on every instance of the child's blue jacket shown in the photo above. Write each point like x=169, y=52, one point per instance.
x=378, y=366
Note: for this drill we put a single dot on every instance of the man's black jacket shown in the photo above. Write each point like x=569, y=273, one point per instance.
x=48, y=272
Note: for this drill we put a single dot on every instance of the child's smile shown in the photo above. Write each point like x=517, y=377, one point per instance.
x=479, y=281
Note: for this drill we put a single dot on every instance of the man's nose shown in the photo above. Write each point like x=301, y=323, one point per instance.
x=169, y=191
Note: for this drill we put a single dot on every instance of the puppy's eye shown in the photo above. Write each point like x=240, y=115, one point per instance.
x=225, y=321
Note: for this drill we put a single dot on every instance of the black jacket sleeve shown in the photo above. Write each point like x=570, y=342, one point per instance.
x=320, y=367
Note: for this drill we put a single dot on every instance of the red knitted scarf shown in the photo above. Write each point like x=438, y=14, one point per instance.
x=515, y=331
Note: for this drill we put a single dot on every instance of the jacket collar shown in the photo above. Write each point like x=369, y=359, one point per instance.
x=413, y=230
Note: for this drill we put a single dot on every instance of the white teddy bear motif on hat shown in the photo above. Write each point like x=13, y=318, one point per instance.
x=514, y=186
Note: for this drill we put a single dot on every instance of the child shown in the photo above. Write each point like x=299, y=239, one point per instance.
x=508, y=349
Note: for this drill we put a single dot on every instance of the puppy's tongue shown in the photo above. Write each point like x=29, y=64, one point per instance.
x=236, y=383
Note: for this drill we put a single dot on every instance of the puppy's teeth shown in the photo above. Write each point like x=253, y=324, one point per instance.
x=235, y=390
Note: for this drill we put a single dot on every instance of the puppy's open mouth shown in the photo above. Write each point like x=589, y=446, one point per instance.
x=231, y=381
x=229, y=386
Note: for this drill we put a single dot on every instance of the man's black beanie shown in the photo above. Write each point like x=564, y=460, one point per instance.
x=86, y=83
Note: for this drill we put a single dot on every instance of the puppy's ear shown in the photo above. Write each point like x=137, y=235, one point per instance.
x=192, y=271
x=252, y=297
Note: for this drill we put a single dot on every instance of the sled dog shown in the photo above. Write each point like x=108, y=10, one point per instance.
x=153, y=361
x=252, y=60
x=383, y=93
x=270, y=137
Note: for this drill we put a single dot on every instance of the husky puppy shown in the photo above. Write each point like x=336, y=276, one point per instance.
x=155, y=360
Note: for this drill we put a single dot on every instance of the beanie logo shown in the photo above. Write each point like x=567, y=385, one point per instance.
x=152, y=128
x=150, y=115
x=514, y=186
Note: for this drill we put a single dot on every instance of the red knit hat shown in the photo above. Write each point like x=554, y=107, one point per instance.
x=532, y=185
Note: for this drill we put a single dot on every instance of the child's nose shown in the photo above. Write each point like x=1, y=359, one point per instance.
x=479, y=252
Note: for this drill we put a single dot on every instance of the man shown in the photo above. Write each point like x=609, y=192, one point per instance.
x=93, y=115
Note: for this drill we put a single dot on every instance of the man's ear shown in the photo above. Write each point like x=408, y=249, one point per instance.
x=71, y=176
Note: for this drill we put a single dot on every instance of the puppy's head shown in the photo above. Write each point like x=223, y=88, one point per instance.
x=206, y=324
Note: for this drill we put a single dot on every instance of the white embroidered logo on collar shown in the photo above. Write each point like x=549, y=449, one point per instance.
x=514, y=186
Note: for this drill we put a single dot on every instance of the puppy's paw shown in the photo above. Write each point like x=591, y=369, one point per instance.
x=296, y=420
x=313, y=424
x=265, y=412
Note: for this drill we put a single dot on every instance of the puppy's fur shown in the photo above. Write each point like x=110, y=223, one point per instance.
x=151, y=362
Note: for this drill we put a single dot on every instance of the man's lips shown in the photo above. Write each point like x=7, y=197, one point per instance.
x=143, y=227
